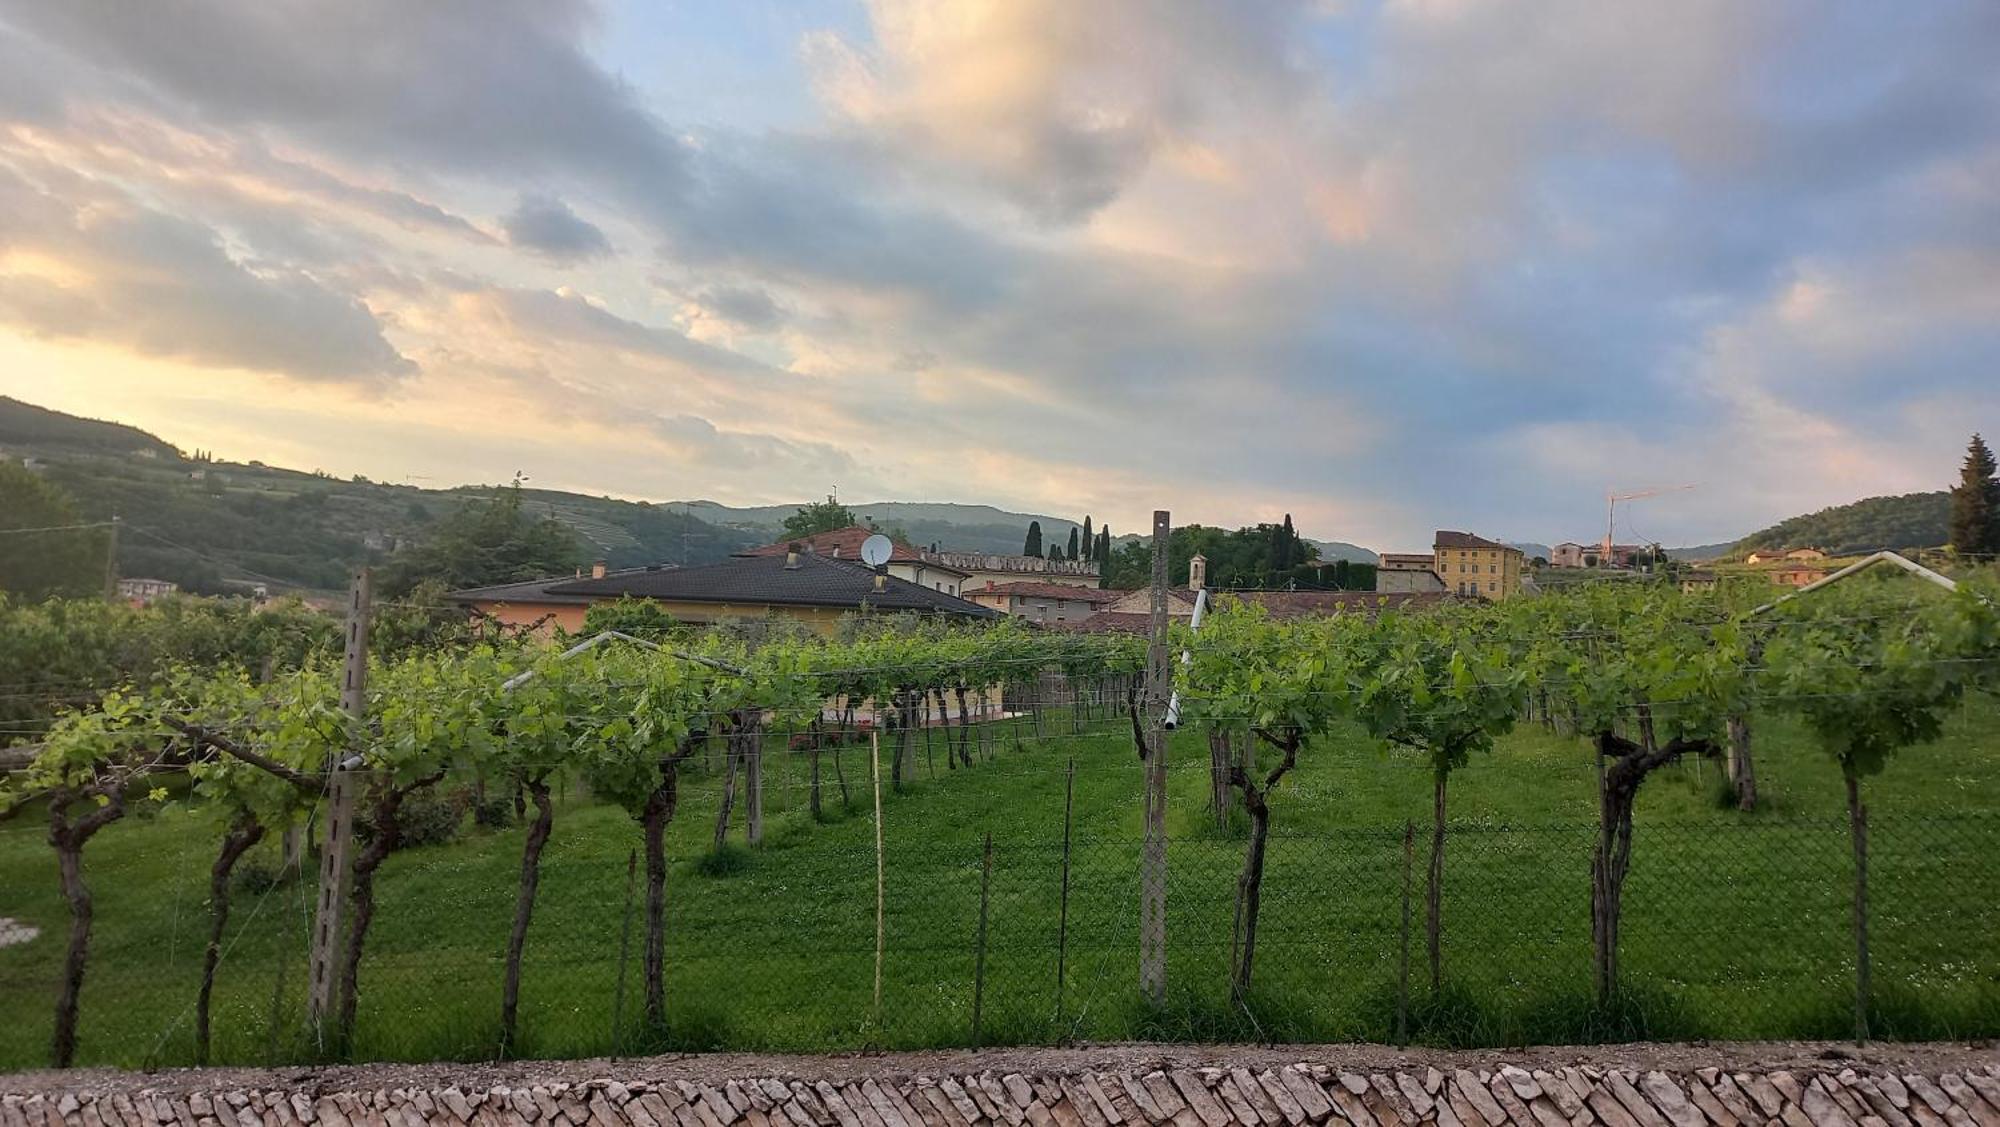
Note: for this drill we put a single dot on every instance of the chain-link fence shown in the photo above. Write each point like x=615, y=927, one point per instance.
x=1729, y=930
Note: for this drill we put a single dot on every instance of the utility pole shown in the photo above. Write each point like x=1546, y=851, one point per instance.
x=336, y=860
x=111, y=563
x=1153, y=855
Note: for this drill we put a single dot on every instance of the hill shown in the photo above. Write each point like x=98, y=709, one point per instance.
x=1912, y=520
x=1334, y=550
x=26, y=428
x=212, y=526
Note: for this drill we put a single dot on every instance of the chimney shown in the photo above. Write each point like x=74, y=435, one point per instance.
x=1197, y=572
x=881, y=582
x=597, y=569
x=791, y=561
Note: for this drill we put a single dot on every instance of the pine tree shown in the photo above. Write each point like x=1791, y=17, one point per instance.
x=1975, y=503
x=1089, y=539
x=1072, y=550
x=1033, y=547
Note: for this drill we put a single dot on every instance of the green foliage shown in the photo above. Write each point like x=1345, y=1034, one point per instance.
x=820, y=516
x=1256, y=557
x=485, y=542
x=65, y=653
x=1870, y=673
x=1975, y=503
x=640, y=618
x=55, y=561
x=1032, y=546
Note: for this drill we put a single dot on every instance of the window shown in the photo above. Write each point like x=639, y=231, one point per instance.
x=1490, y=586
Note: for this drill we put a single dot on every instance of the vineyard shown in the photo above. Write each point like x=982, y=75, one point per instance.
x=1618, y=812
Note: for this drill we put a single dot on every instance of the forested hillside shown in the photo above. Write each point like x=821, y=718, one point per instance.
x=1912, y=520
x=204, y=524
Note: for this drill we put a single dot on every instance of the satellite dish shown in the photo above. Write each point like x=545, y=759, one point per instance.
x=876, y=550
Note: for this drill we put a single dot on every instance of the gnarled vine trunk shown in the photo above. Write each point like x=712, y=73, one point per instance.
x=245, y=832
x=654, y=818
x=1221, y=756
x=1742, y=769
x=731, y=751
x=964, y=727
x=1250, y=883
x=524, y=904
x=68, y=839
x=1622, y=766
x=361, y=895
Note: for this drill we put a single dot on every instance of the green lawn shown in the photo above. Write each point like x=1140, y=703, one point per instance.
x=1736, y=926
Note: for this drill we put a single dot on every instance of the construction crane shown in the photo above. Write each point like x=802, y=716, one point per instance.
x=1611, y=499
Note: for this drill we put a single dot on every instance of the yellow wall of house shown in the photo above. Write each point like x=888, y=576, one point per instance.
x=569, y=617
x=1491, y=573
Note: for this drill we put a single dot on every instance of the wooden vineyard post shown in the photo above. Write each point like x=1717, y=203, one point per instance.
x=753, y=784
x=1062, y=917
x=979, y=940
x=875, y=780
x=1403, y=959
x=1153, y=855
x=336, y=863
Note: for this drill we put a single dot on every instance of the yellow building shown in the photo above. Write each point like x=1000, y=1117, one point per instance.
x=1474, y=565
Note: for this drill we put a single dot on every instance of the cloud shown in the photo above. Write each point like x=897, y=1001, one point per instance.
x=1393, y=265
x=96, y=265
x=1060, y=104
x=545, y=226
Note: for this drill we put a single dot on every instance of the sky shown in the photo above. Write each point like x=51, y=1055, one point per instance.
x=1387, y=266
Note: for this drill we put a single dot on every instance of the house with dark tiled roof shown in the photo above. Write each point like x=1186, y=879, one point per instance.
x=818, y=590
x=925, y=569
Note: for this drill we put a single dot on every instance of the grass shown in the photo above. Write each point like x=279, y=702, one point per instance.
x=1736, y=925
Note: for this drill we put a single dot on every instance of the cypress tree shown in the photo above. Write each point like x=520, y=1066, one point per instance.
x=1975, y=503
x=1071, y=553
x=1033, y=546
x=1104, y=545
x=1089, y=539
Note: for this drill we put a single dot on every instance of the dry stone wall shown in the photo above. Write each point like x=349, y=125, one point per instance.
x=1258, y=1094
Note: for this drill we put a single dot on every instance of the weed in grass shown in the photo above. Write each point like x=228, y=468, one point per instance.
x=725, y=861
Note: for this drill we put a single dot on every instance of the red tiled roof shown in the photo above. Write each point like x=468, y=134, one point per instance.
x=1030, y=590
x=845, y=544
x=1446, y=538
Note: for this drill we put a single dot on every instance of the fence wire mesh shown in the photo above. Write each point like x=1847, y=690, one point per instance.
x=1729, y=931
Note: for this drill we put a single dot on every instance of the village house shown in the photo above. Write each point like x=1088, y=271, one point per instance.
x=1474, y=565
x=140, y=592
x=1407, y=573
x=1569, y=553
x=1043, y=601
x=905, y=562
x=806, y=587
x=1779, y=555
